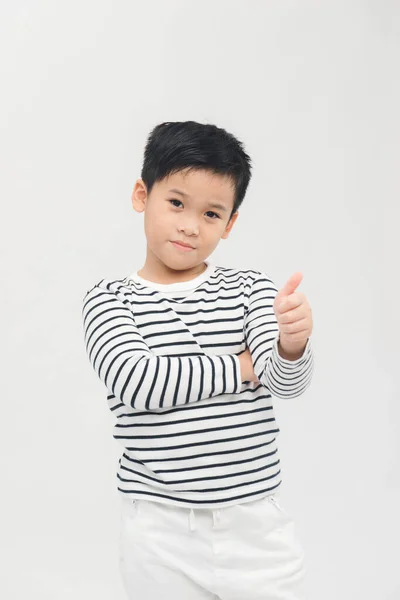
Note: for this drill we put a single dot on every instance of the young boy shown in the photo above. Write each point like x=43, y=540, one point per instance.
x=191, y=354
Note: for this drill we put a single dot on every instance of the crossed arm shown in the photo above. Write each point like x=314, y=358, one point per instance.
x=141, y=380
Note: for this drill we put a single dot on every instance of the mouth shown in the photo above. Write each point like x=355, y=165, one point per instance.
x=182, y=246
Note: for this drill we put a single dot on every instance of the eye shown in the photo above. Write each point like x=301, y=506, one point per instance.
x=179, y=202
x=175, y=201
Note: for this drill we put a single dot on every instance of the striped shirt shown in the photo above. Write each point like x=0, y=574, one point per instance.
x=193, y=434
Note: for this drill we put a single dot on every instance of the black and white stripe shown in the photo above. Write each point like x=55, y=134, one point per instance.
x=193, y=433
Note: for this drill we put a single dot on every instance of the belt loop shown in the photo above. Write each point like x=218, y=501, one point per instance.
x=192, y=520
x=216, y=516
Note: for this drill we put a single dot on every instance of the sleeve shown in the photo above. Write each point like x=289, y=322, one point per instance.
x=136, y=376
x=283, y=378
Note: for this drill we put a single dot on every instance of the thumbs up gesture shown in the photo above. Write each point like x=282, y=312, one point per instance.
x=294, y=317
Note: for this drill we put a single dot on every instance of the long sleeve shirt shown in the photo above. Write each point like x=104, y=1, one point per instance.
x=193, y=433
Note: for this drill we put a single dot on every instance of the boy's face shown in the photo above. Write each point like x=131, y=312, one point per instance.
x=192, y=219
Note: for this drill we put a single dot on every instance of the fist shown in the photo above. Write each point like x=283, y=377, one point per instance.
x=294, y=316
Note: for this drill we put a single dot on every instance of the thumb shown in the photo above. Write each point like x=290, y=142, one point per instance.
x=290, y=286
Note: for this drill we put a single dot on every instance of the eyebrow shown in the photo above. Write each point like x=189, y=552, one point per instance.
x=212, y=204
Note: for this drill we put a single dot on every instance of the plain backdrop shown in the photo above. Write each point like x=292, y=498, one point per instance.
x=312, y=89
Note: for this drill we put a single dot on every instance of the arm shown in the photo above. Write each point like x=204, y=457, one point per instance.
x=284, y=377
x=131, y=372
x=288, y=356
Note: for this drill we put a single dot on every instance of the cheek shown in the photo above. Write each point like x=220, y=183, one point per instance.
x=155, y=223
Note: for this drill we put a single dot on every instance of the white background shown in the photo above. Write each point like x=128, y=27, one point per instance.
x=312, y=89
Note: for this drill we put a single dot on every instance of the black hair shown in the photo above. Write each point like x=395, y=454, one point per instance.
x=181, y=145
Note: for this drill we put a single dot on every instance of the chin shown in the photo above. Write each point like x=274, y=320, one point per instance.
x=174, y=264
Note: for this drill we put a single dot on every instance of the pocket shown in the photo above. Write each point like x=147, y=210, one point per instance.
x=129, y=526
x=273, y=500
x=129, y=509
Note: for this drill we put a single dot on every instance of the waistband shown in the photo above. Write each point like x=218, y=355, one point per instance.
x=216, y=513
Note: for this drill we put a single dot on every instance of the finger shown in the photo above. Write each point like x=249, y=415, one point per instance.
x=297, y=338
x=291, y=316
x=293, y=301
x=296, y=327
x=292, y=284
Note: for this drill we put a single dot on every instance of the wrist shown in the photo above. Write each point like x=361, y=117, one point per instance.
x=290, y=355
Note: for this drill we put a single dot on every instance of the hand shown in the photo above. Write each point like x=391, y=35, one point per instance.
x=246, y=366
x=294, y=316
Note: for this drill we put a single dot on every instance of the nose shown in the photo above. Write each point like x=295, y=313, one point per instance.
x=189, y=228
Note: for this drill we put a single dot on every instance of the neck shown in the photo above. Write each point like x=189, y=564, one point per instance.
x=161, y=274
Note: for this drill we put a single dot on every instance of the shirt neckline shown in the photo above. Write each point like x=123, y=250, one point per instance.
x=179, y=285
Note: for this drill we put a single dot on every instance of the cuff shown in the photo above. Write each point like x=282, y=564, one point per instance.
x=286, y=362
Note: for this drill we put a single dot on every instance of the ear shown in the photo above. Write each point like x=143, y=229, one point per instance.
x=230, y=225
x=139, y=196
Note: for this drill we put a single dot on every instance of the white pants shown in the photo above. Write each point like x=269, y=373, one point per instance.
x=244, y=552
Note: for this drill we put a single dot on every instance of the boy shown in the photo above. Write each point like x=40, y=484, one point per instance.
x=190, y=353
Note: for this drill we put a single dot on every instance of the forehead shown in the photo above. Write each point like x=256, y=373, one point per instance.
x=201, y=186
